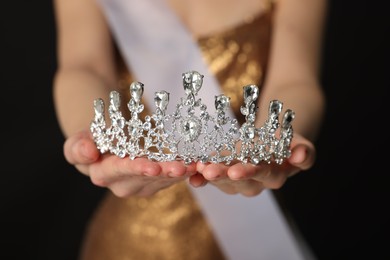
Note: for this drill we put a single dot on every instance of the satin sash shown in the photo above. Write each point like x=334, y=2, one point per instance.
x=158, y=49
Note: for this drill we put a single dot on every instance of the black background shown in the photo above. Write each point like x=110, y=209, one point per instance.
x=44, y=202
x=340, y=204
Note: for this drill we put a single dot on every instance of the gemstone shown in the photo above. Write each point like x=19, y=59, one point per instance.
x=115, y=99
x=147, y=126
x=134, y=128
x=136, y=90
x=275, y=107
x=161, y=100
x=251, y=92
x=120, y=122
x=121, y=153
x=222, y=102
x=190, y=128
x=192, y=82
x=248, y=132
x=244, y=110
x=99, y=107
x=288, y=117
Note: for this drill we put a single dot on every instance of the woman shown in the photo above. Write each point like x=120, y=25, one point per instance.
x=274, y=45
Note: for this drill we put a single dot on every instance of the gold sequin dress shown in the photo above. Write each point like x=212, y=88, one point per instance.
x=170, y=224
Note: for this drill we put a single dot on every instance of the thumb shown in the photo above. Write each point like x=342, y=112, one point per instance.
x=80, y=148
x=303, y=153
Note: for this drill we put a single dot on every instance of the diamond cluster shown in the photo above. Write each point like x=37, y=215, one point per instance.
x=191, y=133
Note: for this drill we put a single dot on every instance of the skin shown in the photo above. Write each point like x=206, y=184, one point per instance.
x=86, y=71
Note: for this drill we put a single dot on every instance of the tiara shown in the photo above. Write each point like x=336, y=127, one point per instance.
x=191, y=133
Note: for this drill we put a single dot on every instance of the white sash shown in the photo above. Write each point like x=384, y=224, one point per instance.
x=158, y=49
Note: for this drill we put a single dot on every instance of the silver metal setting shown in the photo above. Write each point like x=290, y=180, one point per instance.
x=191, y=133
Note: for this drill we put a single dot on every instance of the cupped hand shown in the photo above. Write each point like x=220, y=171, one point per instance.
x=250, y=180
x=123, y=176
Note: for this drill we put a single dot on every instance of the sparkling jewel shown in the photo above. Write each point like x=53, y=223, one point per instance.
x=161, y=100
x=192, y=82
x=190, y=129
x=222, y=102
x=136, y=90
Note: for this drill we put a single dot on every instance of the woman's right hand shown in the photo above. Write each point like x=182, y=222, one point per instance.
x=123, y=176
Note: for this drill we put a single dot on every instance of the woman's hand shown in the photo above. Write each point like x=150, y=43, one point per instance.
x=124, y=177
x=142, y=177
x=249, y=179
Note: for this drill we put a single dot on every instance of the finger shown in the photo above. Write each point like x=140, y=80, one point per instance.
x=241, y=171
x=302, y=156
x=197, y=180
x=201, y=166
x=83, y=168
x=111, y=168
x=177, y=169
x=214, y=171
x=80, y=149
x=303, y=152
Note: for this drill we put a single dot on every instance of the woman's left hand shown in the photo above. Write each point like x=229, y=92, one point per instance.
x=250, y=180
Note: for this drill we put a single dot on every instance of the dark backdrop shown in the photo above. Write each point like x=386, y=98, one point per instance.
x=44, y=202
x=342, y=203
x=339, y=204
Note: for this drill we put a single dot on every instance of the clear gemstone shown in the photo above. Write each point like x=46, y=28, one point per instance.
x=99, y=107
x=192, y=82
x=159, y=125
x=187, y=160
x=255, y=160
x=136, y=90
x=139, y=109
x=204, y=158
x=275, y=107
x=121, y=153
x=288, y=117
x=222, y=102
x=147, y=125
x=251, y=118
x=132, y=105
x=249, y=132
x=251, y=92
x=115, y=99
x=190, y=129
x=134, y=127
x=244, y=110
x=120, y=122
x=161, y=100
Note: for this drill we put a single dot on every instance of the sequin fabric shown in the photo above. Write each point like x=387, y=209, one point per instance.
x=170, y=224
x=238, y=57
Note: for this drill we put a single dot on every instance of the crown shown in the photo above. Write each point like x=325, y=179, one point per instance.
x=191, y=133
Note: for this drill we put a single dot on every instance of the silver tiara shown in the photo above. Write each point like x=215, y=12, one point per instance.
x=191, y=133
